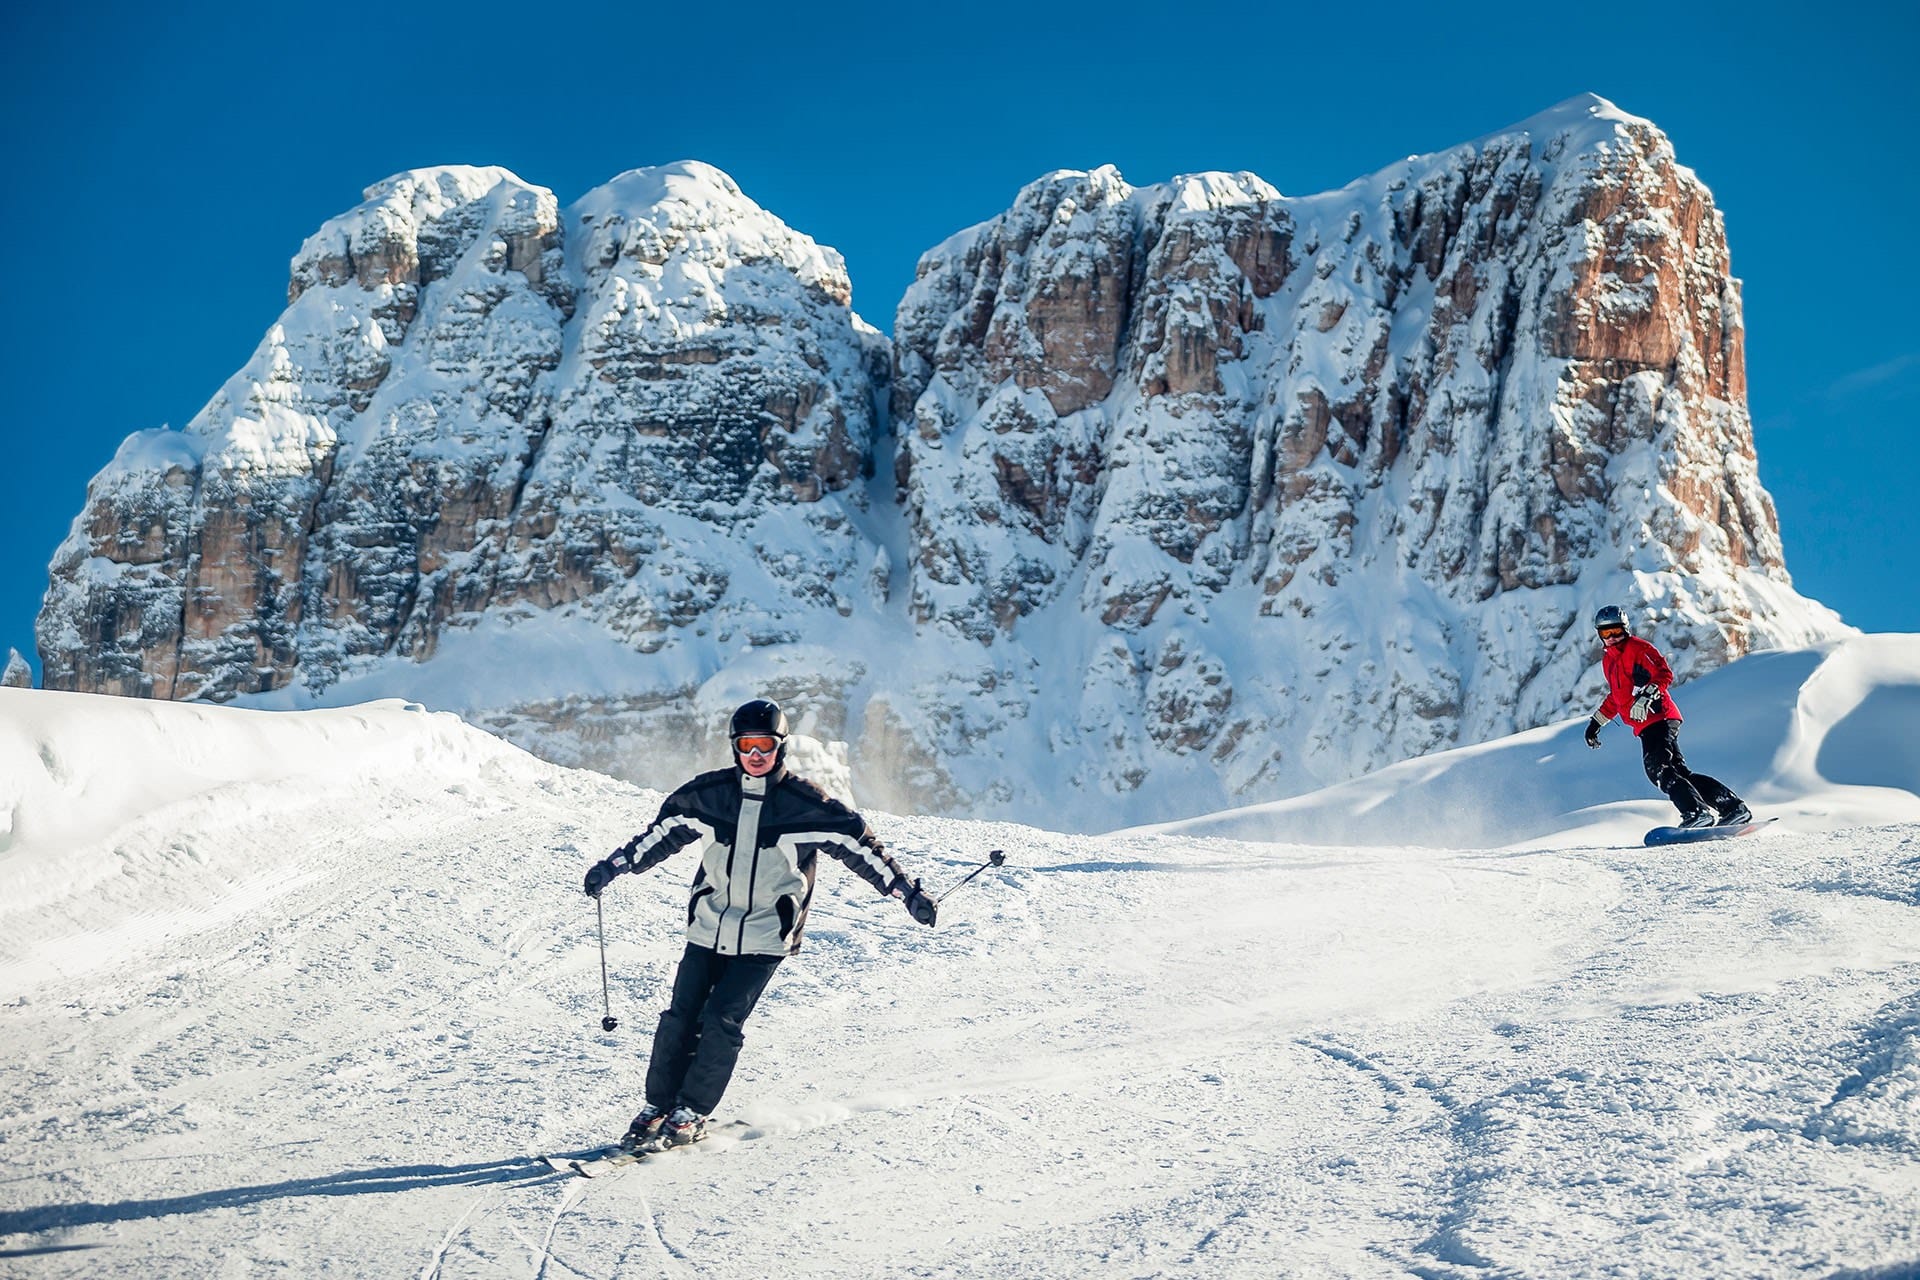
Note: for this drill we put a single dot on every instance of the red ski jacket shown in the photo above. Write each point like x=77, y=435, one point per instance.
x=1629, y=664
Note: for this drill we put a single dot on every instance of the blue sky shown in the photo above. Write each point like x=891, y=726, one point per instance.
x=161, y=170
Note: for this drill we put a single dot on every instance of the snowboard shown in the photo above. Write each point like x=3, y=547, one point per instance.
x=1694, y=835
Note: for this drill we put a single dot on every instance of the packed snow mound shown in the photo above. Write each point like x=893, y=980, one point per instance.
x=1821, y=738
x=74, y=766
x=113, y=809
x=309, y=991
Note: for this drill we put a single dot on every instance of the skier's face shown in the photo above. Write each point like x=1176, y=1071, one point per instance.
x=757, y=755
x=1613, y=636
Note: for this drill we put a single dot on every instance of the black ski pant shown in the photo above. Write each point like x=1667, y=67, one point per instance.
x=699, y=1037
x=1667, y=769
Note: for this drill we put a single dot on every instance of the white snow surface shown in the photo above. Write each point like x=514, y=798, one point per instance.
x=1825, y=737
x=308, y=990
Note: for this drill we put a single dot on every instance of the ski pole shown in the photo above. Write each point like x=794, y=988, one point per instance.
x=997, y=858
x=607, y=1021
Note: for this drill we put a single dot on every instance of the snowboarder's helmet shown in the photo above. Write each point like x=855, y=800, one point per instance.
x=1611, y=622
x=760, y=718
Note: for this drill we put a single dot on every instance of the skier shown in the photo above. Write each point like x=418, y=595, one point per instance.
x=1637, y=682
x=759, y=830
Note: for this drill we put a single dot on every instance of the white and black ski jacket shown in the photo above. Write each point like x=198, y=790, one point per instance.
x=759, y=841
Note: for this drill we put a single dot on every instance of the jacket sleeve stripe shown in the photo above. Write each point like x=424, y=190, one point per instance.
x=659, y=842
x=863, y=855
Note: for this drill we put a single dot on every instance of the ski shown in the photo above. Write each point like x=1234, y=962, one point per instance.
x=598, y=1161
x=593, y=1162
x=617, y=1158
x=1693, y=835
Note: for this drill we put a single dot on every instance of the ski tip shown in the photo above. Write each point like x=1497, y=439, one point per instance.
x=570, y=1161
x=607, y=1164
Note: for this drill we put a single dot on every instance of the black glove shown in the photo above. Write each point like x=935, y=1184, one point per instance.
x=599, y=876
x=1593, y=732
x=919, y=905
x=1646, y=701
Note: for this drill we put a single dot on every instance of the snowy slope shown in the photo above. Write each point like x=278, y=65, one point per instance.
x=1824, y=738
x=304, y=991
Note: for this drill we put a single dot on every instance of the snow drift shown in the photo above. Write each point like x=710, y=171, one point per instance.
x=119, y=814
x=1823, y=738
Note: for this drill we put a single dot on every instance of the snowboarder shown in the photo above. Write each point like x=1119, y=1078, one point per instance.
x=759, y=830
x=1637, y=682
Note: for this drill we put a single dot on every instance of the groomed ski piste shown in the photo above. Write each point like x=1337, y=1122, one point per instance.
x=309, y=991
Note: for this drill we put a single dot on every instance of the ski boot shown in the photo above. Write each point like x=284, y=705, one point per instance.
x=683, y=1128
x=1694, y=821
x=1738, y=816
x=645, y=1129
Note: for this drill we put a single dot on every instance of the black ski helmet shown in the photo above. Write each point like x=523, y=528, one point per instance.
x=762, y=715
x=1611, y=619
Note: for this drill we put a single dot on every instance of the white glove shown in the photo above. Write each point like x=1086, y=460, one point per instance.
x=1646, y=701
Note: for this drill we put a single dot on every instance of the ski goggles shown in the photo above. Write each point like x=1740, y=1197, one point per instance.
x=1612, y=633
x=764, y=744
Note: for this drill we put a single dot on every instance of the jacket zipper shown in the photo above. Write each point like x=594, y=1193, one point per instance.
x=753, y=875
x=721, y=923
x=753, y=867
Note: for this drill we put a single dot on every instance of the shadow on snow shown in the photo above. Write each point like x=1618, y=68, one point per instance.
x=355, y=1182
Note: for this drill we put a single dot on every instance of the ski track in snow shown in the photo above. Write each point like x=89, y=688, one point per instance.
x=1128, y=1056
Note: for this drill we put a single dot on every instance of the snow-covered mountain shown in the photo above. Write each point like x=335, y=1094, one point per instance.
x=1189, y=495
x=307, y=991
x=633, y=416
x=17, y=674
x=1324, y=483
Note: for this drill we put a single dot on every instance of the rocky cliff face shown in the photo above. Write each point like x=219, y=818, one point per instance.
x=17, y=674
x=1196, y=493
x=476, y=405
x=1341, y=478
